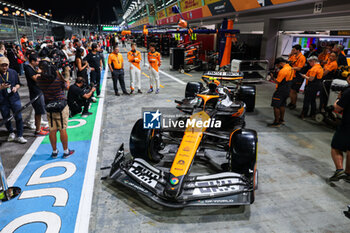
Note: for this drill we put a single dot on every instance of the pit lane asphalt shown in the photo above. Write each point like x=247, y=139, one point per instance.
x=293, y=162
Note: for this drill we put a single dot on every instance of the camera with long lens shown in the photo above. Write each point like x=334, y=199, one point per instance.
x=48, y=70
x=88, y=88
x=56, y=56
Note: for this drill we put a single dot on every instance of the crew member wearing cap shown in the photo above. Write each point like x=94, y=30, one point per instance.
x=297, y=61
x=329, y=73
x=279, y=98
x=313, y=85
x=95, y=62
x=10, y=100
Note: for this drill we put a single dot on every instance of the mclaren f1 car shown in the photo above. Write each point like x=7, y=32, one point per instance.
x=174, y=186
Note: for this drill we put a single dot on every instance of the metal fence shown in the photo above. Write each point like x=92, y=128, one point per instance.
x=13, y=27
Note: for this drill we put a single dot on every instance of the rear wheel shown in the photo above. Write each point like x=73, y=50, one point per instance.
x=193, y=88
x=145, y=143
x=247, y=95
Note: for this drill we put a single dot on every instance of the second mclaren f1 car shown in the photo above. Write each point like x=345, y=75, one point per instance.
x=174, y=186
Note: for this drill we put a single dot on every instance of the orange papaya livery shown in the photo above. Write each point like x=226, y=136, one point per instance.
x=186, y=152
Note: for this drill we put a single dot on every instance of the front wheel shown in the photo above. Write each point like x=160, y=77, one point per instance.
x=243, y=152
x=145, y=143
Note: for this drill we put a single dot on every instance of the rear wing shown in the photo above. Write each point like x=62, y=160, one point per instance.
x=223, y=77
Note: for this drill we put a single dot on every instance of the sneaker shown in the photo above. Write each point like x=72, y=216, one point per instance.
x=139, y=91
x=282, y=122
x=45, y=123
x=132, y=91
x=117, y=94
x=150, y=90
x=337, y=175
x=45, y=128
x=54, y=154
x=21, y=140
x=293, y=106
x=30, y=126
x=41, y=133
x=11, y=137
x=86, y=114
x=93, y=99
x=125, y=93
x=66, y=155
x=346, y=177
x=157, y=91
x=274, y=124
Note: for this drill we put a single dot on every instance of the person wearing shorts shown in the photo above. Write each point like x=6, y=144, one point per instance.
x=58, y=121
x=297, y=61
x=281, y=94
x=341, y=139
x=53, y=88
x=31, y=73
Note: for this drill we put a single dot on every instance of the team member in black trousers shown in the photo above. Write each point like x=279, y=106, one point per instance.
x=313, y=85
x=95, y=63
x=116, y=66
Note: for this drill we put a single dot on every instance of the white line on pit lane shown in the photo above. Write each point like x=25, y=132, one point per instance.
x=83, y=216
x=170, y=76
x=17, y=171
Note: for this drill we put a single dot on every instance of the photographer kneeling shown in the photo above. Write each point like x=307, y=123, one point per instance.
x=79, y=95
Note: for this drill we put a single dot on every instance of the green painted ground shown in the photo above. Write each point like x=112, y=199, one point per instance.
x=83, y=133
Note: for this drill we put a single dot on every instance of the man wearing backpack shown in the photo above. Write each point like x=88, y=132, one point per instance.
x=53, y=84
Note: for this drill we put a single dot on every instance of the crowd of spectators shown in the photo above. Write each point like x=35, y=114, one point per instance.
x=63, y=80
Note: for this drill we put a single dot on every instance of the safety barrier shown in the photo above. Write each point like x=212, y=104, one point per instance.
x=6, y=193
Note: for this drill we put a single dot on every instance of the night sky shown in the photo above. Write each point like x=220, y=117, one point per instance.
x=73, y=10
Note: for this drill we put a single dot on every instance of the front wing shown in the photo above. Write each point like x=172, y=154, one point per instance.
x=225, y=188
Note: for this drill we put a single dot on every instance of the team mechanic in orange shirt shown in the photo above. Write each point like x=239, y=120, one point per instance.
x=279, y=98
x=313, y=85
x=154, y=64
x=134, y=58
x=298, y=61
x=116, y=66
x=329, y=73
